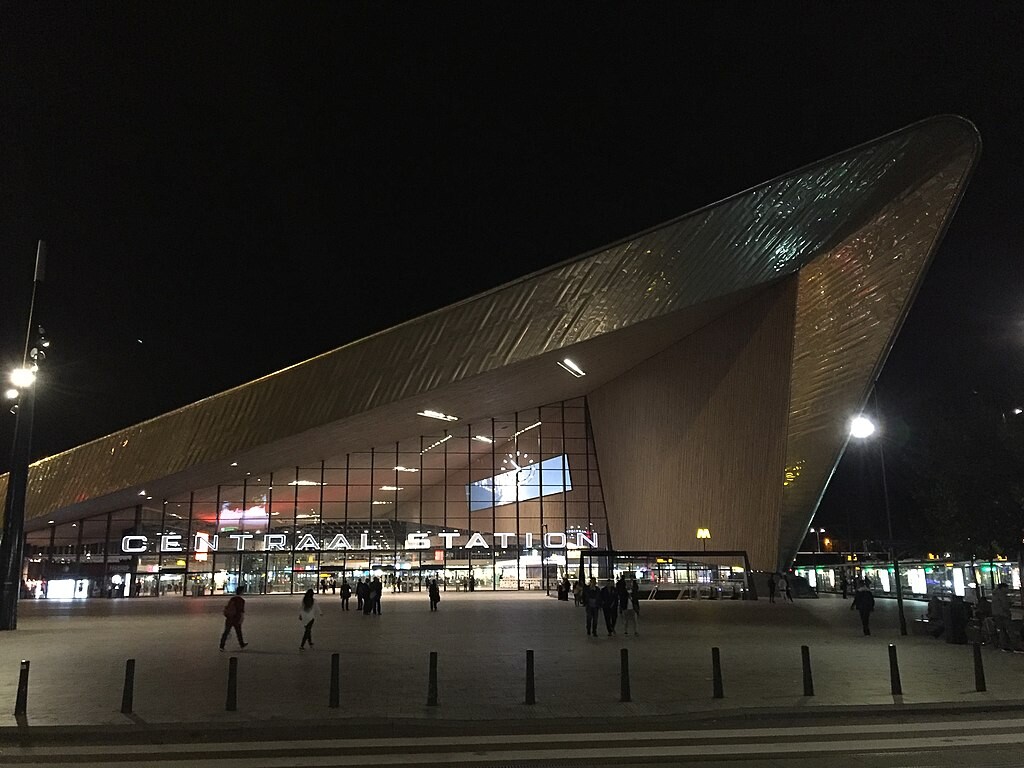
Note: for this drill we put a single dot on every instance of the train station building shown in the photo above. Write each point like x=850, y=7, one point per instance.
x=695, y=378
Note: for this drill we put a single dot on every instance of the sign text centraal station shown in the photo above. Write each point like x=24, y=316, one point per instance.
x=203, y=542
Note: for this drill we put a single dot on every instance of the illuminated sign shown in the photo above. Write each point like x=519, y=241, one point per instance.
x=204, y=543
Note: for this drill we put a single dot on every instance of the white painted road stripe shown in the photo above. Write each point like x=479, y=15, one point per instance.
x=633, y=753
x=781, y=733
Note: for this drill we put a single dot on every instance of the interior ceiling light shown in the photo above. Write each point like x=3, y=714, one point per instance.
x=526, y=429
x=303, y=482
x=571, y=367
x=437, y=415
x=482, y=439
x=405, y=469
x=444, y=439
x=142, y=493
x=391, y=488
x=234, y=463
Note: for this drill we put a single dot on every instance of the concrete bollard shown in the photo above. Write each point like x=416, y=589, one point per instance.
x=624, y=694
x=128, y=695
x=894, y=672
x=232, y=702
x=335, y=697
x=716, y=674
x=21, y=702
x=979, y=670
x=805, y=656
x=531, y=697
x=432, y=681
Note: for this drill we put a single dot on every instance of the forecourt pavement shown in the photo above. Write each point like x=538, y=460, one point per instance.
x=78, y=650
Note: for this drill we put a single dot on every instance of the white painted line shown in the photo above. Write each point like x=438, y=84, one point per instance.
x=612, y=753
x=547, y=738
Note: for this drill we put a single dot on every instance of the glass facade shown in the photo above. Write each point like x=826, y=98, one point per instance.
x=504, y=504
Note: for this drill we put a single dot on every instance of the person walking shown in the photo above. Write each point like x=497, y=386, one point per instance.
x=234, y=615
x=864, y=602
x=577, y=592
x=1001, y=615
x=307, y=615
x=592, y=603
x=787, y=587
x=361, y=592
x=376, y=590
x=434, y=592
x=346, y=593
x=610, y=606
x=771, y=588
x=634, y=607
x=844, y=585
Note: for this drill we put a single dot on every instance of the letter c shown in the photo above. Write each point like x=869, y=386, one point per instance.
x=134, y=545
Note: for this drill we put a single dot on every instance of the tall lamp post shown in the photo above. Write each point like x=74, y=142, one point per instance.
x=817, y=536
x=12, y=543
x=862, y=428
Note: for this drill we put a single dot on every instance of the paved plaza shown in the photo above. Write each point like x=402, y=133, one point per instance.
x=78, y=650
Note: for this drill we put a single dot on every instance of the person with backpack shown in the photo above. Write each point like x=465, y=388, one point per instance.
x=234, y=615
x=346, y=593
x=376, y=590
x=308, y=613
x=434, y=593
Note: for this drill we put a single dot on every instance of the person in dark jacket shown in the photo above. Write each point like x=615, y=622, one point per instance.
x=346, y=593
x=234, y=615
x=361, y=591
x=610, y=606
x=376, y=590
x=771, y=588
x=864, y=602
x=622, y=593
x=592, y=603
x=435, y=594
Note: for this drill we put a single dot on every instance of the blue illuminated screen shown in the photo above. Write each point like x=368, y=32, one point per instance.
x=543, y=479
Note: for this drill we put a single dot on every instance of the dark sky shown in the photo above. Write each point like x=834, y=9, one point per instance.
x=243, y=188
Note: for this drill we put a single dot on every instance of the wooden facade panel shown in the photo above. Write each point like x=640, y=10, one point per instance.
x=694, y=436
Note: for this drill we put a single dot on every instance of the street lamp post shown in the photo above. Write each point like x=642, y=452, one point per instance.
x=862, y=428
x=12, y=539
x=817, y=536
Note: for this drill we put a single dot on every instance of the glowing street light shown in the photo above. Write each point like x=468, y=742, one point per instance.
x=22, y=377
x=861, y=428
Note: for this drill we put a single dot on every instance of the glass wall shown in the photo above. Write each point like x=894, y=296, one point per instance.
x=504, y=504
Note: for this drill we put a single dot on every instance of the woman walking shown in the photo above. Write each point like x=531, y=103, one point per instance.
x=435, y=594
x=307, y=615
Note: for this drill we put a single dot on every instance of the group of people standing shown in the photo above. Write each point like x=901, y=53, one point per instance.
x=613, y=599
x=779, y=582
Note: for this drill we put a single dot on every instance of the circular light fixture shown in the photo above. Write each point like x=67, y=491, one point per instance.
x=22, y=377
x=862, y=427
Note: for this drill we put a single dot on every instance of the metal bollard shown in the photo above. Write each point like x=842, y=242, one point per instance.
x=128, y=696
x=624, y=664
x=21, y=703
x=530, y=692
x=716, y=673
x=432, y=681
x=979, y=670
x=335, y=697
x=232, y=702
x=805, y=657
x=894, y=672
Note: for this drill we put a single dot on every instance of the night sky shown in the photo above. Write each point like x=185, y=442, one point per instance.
x=227, y=191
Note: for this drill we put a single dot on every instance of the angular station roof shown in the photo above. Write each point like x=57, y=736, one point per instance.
x=859, y=227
